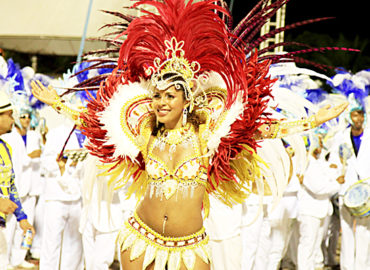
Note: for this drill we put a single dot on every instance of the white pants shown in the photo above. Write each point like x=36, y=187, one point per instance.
x=3, y=250
x=355, y=246
x=99, y=248
x=279, y=236
x=330, y=241
x=61, y=244
x=264, y=245
x=38, y=223
x=14, y=233
x=226, y=254
x=311, y=230
x=290, y=258
x=250, y=235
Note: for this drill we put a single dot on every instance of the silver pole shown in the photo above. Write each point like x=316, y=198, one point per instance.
x=82, y=43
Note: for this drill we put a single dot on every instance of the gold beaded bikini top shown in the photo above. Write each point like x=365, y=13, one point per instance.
x=188, y=173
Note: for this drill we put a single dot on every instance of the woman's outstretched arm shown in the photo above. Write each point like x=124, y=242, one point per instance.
x=49, y=96
x=279, y=129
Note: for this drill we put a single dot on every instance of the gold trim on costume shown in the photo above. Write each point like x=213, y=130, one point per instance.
x=188, y=172
x=287, y=128
x=281, y=129
x=135, y=116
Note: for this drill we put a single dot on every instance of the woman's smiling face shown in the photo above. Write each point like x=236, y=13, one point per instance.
x=168, y=106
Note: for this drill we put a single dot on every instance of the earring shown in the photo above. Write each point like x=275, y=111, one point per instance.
x=156, y=122
x=184, y=116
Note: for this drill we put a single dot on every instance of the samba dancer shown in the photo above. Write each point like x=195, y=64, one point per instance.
x=181, y=113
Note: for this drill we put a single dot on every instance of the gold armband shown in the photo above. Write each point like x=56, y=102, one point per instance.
x=286, y=128
x=60, y=107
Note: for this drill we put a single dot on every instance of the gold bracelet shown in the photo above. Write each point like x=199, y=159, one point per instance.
x=276, y=130
x=56, y=105
x=286, y=128
x=60, y=107
x=312, y=121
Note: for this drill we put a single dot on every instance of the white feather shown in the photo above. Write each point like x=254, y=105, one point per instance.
x=214, y=80
x=291, y=102
x=278, y=166
x=291, y=69
x=111, y=119
x=224, y=129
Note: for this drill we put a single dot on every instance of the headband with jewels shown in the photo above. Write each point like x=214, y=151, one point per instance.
x=177, y=71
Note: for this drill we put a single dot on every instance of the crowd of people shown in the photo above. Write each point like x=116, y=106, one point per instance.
x=225, y=178
x=303, y=229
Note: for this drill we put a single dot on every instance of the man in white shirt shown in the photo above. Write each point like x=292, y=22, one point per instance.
x=26, y=154
x=251, y=228
x=61, y=244
x=319, y=184
x=256, y=236
x=352, y=153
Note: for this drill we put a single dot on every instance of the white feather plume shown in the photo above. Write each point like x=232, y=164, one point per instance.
x=125, y=146
x=224, y=129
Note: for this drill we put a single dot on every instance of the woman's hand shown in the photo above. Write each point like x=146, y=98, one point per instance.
x=327, y=113
x=47, y=95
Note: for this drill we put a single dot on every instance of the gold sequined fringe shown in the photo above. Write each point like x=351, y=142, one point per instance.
x=161, y=250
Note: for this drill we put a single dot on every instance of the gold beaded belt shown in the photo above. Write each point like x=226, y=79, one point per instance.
x=170, y=242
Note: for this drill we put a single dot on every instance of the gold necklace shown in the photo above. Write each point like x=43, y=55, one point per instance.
x=174, y=137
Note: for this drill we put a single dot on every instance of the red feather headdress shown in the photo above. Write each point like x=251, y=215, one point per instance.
x=198, y=26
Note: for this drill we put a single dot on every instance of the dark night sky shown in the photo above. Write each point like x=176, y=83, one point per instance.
x=352, y=17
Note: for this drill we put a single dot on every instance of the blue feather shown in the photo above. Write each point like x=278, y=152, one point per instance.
x=315, y=95
x=83, y=75
x=14, y=72
x=348, y=87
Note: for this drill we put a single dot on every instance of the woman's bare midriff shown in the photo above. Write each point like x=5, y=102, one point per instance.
x=177, y=216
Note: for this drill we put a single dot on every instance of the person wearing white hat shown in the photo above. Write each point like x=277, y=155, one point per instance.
x=23, y=142
x=9, y=199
